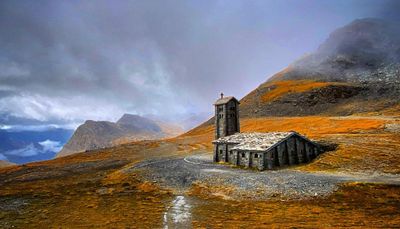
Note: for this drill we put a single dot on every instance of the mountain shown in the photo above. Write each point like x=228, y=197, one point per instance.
x=356, y=70
x=101, y=134
x=186, y=121
x=130, y=122
x=366, y=50
x=5, y=164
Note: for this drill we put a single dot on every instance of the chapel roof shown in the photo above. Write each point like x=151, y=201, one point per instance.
x=256, y=141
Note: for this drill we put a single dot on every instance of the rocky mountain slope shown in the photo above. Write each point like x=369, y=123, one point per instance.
x=100, y=134
x=366, y=50
x=356, y=70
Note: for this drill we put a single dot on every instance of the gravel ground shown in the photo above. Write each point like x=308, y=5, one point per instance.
x=180, y=173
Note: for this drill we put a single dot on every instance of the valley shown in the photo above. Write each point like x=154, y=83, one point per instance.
x=110, y=186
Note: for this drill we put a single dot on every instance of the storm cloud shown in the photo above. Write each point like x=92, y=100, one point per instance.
x=67, y=61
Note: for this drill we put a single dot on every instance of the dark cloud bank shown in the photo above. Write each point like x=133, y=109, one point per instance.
x=62, y=62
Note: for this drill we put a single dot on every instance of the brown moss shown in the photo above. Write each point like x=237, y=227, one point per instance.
x=211, y=192
x=278, y=89
x=312, y=125
x=354, y=205
x=147, y=187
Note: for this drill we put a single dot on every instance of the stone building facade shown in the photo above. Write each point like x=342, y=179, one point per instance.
x=256, y=150
x=265, y=150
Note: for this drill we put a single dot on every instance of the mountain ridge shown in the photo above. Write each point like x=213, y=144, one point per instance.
x=352, y=72
x=359, y=65
x=93, y=135
x=366, y=50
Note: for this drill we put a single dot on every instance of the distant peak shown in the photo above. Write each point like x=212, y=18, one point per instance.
x=130, y=116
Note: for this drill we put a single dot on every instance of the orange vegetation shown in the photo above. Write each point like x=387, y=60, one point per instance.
x=205, y=191
x=360, y=152
x=82, y=201
x=279, y=88
x=354, y=205
x=313, y=126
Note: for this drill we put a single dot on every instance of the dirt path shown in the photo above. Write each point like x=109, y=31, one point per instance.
x=179, y=174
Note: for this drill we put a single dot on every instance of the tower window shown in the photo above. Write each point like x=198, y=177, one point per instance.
x=243, y=154
x=256, y=155
x=232, y=108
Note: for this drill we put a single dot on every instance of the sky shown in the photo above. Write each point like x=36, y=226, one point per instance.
x=63, y=62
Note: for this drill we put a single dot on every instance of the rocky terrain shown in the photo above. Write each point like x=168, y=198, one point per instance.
x=366, y=50
x=181, y=174
x=356, y=70
x=101, y=134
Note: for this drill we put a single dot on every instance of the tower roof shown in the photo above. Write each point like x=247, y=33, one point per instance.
x=224, y=100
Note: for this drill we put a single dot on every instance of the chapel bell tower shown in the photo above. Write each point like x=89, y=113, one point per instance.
x=226, y=116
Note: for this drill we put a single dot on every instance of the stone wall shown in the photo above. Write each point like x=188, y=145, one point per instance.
x=268, y=160
x=292, y=151
x=220, y=152
x=300, y=150
x=256, y=160
x=231, y=118
x=231, y=158
x=243, y=158
x=310, y=151
x=220, y=121
x=235, y=157
x=226, y=119
x=215, y=153
x=283, y=155
x=224, y=153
